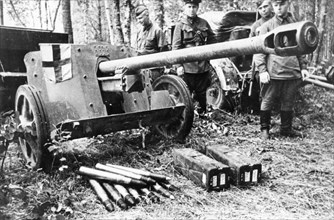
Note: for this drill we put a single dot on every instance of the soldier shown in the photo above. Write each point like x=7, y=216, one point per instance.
x=280, y=76
x=265, y=10
x=150, y=38
x=192, y=31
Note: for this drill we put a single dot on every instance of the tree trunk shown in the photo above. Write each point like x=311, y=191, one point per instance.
x=46, y=17
x=158, y=7
x=119, y=38
x=86, y=10
x=1, y=12
x=55, y=16
x=294, y=9
x=321, y=28
x=127, y=22
x=40, y=13
x=67, y=20
x=332, y=46
x=99, y=36
x=108, y=17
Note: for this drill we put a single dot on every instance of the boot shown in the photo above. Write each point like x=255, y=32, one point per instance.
x=202, y=106
x=265, y=124
x=286, y=125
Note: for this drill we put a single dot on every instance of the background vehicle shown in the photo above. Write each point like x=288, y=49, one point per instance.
x=14, y=44
x=232, y=77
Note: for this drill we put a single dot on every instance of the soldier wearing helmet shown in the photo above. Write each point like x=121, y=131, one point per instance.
x=192, y=31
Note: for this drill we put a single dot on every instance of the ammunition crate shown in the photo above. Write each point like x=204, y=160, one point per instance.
x=204, y=171
x=244, y=170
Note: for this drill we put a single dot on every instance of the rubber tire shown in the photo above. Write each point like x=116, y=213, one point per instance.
x=38, y=114
x=183, y=129
x=215, y=90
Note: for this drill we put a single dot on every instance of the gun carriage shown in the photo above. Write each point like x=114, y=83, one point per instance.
x=86, y=90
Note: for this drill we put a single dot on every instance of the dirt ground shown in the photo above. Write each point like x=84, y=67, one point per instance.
x=297, y=178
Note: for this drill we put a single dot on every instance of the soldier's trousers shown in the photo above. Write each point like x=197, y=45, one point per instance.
x=198, y=84
x=285, y=90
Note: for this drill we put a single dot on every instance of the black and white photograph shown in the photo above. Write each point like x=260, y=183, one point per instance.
x=166, y=109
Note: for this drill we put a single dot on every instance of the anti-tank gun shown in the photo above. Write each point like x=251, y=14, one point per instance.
x=86, y=90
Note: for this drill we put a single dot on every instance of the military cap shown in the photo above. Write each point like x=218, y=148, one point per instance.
x=280, y=1
x=192, y=1
x=259, y=3
x=140, y=9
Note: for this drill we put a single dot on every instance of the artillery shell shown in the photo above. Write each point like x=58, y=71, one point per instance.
x=111, y=177
x=162, y=191
x=115, y=195
x=169, y=186
x=125, y=173
x=150, y=195
x=102, y=195
x=157, y=177
x=134, y=193
x=128, y=198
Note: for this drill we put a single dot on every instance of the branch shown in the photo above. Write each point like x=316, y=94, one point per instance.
x=55, y=17
x=15, y=12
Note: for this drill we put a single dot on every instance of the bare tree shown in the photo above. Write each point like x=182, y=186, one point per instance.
x=1, y=13
x=98, y=35
x=67, y=19
x=321, y=28
x=46, y=16
x=159, y=13
x=15, y=13
x=108, y=17
x=127, y=22
x=119, y=37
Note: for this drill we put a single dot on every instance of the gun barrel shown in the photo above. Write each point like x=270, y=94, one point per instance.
x=286, y=40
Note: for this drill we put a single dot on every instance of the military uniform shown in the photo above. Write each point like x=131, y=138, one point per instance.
x=285, y=79
x=255, y=27
x=264, y=17
x=150, y=39
x=192, y=32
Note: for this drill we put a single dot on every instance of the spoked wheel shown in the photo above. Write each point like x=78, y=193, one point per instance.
x=33, y=121
x=215, y=94
x=179, y=92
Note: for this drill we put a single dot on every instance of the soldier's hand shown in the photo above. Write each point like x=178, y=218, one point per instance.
x=305, y=74
x=180, y=71
x=264, y=77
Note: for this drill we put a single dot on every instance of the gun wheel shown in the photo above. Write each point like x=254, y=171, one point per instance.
x=214, y=94
x=32, y=118
x=179, y=92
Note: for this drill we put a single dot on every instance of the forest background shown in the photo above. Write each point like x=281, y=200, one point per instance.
x=114, y=21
